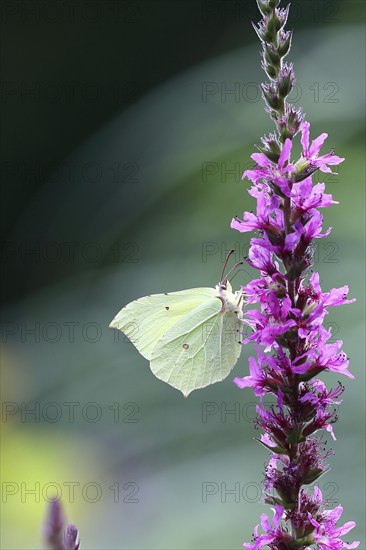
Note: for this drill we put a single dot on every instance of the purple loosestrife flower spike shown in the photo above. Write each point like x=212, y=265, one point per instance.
x=293, y=347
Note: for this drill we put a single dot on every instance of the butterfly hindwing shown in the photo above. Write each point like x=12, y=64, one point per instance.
x=200, y=349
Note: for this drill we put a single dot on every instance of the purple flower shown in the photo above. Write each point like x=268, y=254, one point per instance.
x=327, y=535
x=272, y=533
x=322, y=420
x=310, y=152
x=327, y=357
x=282, y=245
x=261, y=378
x=262, y=259
x=335, y=297
x=311, y=229
x=279, y=173
x=275, y=422
x=257, y=290
x=268, y=326
x=307, y=197
x=276, y=311
x=262, y=220
x=314, y=309
x=256, y=380
x=320, y=397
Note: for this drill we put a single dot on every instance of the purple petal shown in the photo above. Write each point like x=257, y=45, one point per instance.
x=285, y=153
x=305, y=136
x=335, y=514
x=278, y=515
x=261, y=160
x=331, y=159
x=242, y=226
x=301, y=369
x=253, y=175
x=266, y=526
x=282, y=183
x=317, y=144
x=346, y=528
x=245, y=382
x=337, y=297
x=291, y=241
x=323, y=167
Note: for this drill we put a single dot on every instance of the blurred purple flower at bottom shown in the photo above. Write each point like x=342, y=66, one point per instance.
x=56, y=536
x=54, y=525
x=71, y=537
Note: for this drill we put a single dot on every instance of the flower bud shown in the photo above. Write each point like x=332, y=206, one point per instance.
x=270, y=55
x=271, y=147
x=271, y=97
x=297, y=268
x=284, y=42
x=261, y=30
x=285, y=133
x=295, y=118
x=286, y=80
x=270, y=70
x=264, y=7
x=282, y=16
x=273, y=26
x=295, y=436
x=312, y=476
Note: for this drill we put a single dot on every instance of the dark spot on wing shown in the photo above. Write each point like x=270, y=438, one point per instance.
x=167, y=308
x=166, y=294
x=186, y=346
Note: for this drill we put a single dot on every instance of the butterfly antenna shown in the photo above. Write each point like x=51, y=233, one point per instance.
x=225, y=265
x=232, y=269
x=243, y=269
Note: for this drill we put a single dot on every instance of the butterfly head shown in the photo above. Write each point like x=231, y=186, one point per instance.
x=230, y=301
x=224, y=286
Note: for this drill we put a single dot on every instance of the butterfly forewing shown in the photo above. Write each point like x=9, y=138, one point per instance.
x=147, y=319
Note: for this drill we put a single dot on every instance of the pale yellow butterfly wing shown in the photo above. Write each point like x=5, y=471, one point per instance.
x=200, y=349
x=146, y=320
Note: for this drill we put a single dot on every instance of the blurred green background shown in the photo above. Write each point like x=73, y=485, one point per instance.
x=126, y=127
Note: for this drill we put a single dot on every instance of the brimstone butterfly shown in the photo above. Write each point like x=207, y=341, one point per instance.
x=191, y=337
